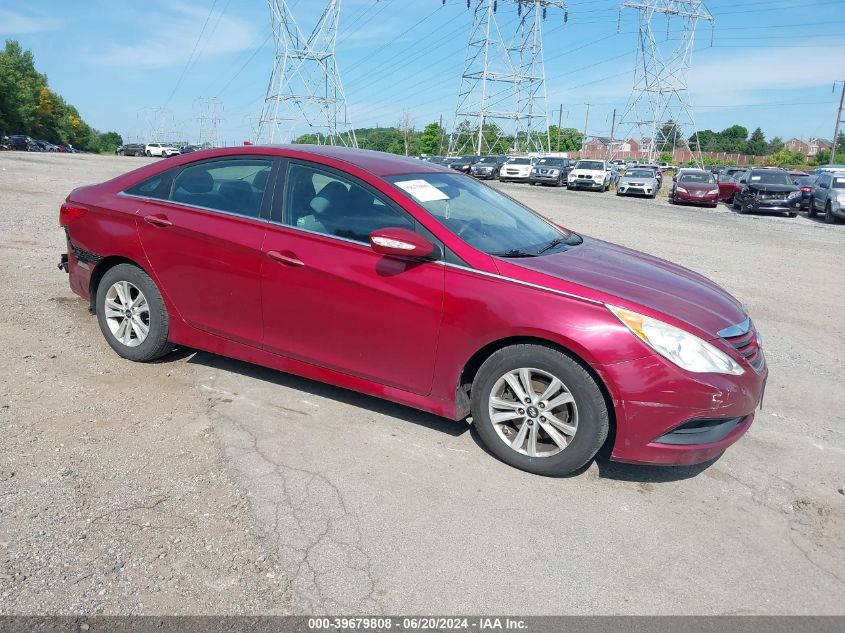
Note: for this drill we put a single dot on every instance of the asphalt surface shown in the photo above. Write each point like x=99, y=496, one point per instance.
x=205, y=485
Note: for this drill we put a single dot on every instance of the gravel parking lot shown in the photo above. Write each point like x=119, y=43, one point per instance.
x=200, y=484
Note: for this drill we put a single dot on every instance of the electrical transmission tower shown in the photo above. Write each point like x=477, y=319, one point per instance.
x=503, y=88
x=658, y=112
x=208, y=115
x=305, y=94
x=159, y=124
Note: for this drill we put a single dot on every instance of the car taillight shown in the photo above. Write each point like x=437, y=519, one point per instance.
x=806, y=189
x=68, y=213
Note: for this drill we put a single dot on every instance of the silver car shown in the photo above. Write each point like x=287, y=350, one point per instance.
x=639, y=182
x=828, y=196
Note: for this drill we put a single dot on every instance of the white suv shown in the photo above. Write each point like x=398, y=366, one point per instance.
x=589, y=174
x=516, y=170
x=160, y=149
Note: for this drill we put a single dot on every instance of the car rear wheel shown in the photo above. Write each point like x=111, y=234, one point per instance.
x=131, y=314
x=811, y=210
x=539, y=410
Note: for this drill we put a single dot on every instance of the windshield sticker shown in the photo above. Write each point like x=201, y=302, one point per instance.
x=756, y=177
x=422, y=190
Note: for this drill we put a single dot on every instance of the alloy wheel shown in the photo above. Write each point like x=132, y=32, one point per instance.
x=533, y=412
x=127, y=313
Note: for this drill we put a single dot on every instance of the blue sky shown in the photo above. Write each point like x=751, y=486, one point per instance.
x=772, y=62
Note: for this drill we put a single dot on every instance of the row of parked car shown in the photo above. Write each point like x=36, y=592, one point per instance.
x=24, y=143
x=766, y=190
x=162, y=150
x=550, y=169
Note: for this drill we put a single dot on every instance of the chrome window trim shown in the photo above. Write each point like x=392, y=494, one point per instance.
x=738, y=329
x=192, y=206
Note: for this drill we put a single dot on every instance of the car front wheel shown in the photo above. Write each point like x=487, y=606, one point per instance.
x=131, y=314
x=829, y=218
x=811, y=209
x=539, y=410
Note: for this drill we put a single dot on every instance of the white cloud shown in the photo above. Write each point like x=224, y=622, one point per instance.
x=167, y=39
x=15, y=23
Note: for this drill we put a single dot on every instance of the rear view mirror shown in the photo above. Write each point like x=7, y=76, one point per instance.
x=399, y=242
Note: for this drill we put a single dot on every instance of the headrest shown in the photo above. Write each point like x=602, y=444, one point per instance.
x=235, y=188
x=260, y=180
x=195, y=181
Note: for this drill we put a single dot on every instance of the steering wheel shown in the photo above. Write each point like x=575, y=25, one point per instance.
x=474, y=224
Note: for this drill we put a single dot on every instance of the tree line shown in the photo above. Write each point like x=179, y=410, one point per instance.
x=28, y=106
x=433, y=140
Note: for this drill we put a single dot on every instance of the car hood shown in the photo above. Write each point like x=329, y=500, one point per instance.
x=588, y=172
x=697, y=186
x=626, y=179
x=625, y=277
x=758, y=186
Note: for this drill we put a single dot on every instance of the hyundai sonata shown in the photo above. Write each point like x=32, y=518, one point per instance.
x=411, y=282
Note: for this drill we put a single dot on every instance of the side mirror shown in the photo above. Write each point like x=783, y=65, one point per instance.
x=399, y=242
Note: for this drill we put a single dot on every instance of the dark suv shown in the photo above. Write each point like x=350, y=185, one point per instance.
x=768, y=190
x=488, y=167
x=131, y=149
x=550, y=170
x=23, y=143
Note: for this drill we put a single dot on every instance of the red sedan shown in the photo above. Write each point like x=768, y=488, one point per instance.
x=731, y=186
x=408, y=281
x=695, y=186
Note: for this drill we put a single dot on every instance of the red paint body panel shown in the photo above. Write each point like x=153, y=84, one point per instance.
x=336, y=311
x=696, y=193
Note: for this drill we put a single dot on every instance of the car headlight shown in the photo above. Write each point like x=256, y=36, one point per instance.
x=553, y=172
x=680, y=190
x=793, y=194
x=598, y=177
x=713, y=192
x=686, y=350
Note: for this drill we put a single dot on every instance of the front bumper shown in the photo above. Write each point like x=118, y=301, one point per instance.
x=689, y=198
x=584, y=183
x=484, y=175
x=543, y=178
x=772, y=206
x=511, y=177
x=638, y=190
x=659, y=397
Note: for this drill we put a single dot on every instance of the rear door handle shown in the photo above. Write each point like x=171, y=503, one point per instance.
x=158, y=220
x=287, y=260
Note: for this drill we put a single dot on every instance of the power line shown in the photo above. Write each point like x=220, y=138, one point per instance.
x=191, y=56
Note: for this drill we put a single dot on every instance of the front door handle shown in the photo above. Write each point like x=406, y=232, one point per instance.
x=158, y=220
x=287, y=260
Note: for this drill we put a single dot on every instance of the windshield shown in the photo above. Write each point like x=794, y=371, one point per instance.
x=702, y=178
x=640, y=173
x=467, y=159
x=487, y=159
x=482, y=216
x=770, y=178
x=519, y=161
x=554, y=162
x=805, y=181
x=590, y=164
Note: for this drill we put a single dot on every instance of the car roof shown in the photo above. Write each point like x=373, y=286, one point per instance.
x=690, y=170
x=377, y=163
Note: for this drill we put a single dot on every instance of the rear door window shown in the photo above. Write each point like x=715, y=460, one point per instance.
x=234, y=185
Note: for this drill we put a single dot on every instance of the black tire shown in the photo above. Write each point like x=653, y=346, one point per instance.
x=593, y=416
x=829, y=218
x=155, y=345
x=149, y=154
x=792, y=214
x=811, y=210
x=734, y=202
